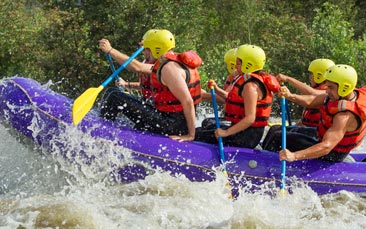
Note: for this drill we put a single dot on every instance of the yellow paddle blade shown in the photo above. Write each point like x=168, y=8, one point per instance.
x=276, y=124
x=84, y=103
x=283, y=192
x=228, y=184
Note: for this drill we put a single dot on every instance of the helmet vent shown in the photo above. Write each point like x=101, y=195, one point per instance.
x=345, y=87
x=157, y=51
x=249, y=65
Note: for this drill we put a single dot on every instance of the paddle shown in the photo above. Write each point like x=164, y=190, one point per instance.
x=85, y=101
x=109, y=57
x=283, y=139
x=221, y=144
x=288, y=117
x=112, y=65
x=288, y=113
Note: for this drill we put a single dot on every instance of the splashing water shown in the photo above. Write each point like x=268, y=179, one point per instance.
x=40, y=189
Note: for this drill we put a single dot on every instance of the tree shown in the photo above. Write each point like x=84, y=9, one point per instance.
x=19, y=25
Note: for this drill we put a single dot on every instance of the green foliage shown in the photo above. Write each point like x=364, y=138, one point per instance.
x=71, y=37
x=360, y=64
x=332, y=34
x=18, y=48
x=225, y=31
x=58, y=39
x=286, y=42
x=334, y=38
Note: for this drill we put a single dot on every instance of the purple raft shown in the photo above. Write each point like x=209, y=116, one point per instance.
x=23, y=99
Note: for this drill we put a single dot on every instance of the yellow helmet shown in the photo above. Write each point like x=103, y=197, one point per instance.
x=253, y=58
x=318, y=68
x=230, y=60
x=344, y=75
x=159, y=42
x=147, y=33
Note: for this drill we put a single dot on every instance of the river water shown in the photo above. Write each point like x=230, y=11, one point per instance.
x=40, y=190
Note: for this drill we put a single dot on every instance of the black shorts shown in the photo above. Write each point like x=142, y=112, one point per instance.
x=145, y=116
x=299, y=138
x=248, y=138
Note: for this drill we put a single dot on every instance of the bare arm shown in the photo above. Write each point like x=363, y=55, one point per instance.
x=173, y=76
x=219, y=91
x=308, y=101
x=135, y=65
x=303, y=88
x=342, y=122
x=207, y=96
x=129, y=85
x=252, y=94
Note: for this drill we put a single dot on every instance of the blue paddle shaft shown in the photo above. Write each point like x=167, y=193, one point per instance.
x=112, y=65
x=288, y=113
x=123, y=66
x=221, y=144
x=283, y=138
x=283, y=122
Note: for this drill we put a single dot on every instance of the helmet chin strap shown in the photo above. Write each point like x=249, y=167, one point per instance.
x=352, y=99
x=354, y=96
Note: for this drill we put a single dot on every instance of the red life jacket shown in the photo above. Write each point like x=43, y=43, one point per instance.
x=145, y=83
x=351, y=139
x=311, y=116
x=235, y=109
x=163, y=98
x=228, y=81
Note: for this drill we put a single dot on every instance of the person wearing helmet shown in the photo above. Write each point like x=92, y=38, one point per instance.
x=248, y=104
x=317, y=68
x=342, y=123
x=310, y=116
x=221, y=93
x=144, y=83
x=175, y=89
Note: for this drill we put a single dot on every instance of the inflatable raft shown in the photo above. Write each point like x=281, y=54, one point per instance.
x=40, y=114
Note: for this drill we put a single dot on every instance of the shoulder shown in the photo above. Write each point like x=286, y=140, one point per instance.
x=172, y=66
x=172, y=63
x=345, y=120
x=146, y=67
x=319, y=99
x=344, y=114
x=170, y=70
x=251, y=87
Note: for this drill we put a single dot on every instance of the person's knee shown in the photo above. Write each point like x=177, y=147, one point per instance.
x=272, y=140
x=349, y=158
x=208, y=123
